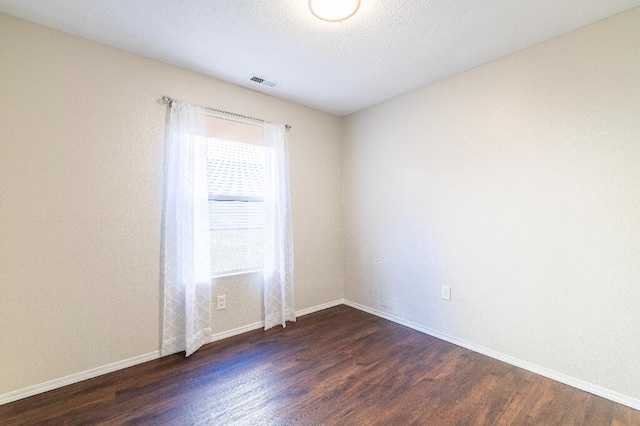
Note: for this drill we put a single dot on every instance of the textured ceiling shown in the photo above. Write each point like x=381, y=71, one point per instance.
x=388, y=48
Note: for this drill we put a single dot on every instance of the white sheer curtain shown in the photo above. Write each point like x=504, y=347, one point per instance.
x=278, y=254
x=186, y=267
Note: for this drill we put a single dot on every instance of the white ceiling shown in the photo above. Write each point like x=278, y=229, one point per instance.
x=388, y=48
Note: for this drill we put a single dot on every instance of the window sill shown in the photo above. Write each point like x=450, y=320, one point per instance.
x=235, y=273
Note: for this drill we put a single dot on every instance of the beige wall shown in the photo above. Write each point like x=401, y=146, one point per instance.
x=516, y=183
x=81, y=153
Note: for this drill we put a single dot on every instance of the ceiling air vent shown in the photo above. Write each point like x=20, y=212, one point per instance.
x=263, y=82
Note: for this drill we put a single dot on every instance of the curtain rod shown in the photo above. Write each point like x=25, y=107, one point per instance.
x=168, y=100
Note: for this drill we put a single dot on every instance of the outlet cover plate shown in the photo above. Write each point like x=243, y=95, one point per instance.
x=222, y=302
x=445, y=293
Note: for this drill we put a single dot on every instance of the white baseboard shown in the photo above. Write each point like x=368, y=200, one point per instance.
x=317, y=308
x=75, y=378
x=258, y=325
x=554, y=375
x=94, y=372
x=236, y=331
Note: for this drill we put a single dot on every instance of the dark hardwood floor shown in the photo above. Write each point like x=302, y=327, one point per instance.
x=339, y=366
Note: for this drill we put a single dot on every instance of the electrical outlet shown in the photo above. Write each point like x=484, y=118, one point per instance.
x=445, y=293
x=222, y=302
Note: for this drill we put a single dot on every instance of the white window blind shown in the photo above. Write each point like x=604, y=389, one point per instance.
x=235, y=174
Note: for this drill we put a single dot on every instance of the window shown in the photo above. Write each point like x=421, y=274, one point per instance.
x=235, y=175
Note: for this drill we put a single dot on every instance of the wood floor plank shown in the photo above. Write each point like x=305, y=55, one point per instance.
x=339, y=366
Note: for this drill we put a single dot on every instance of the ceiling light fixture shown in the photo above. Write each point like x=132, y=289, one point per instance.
x=334, y=10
